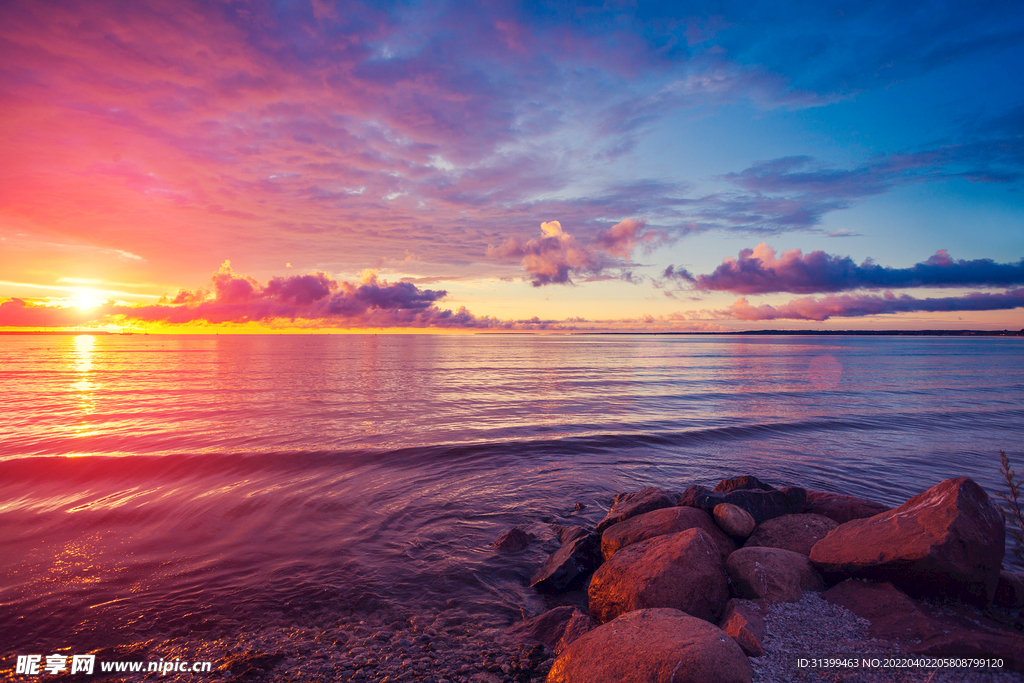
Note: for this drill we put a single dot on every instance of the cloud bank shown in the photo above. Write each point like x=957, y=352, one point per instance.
x=848, y=305
x=302, y=299
x=759, y=271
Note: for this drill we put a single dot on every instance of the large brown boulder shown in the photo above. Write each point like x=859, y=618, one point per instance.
x=683, y=571
x=626, y=505
x=945, y=542
x=841, y=508
x=772, y=574
x=798, y=533
x=948, y=630
x=660, y=522
x=744, y=625
x=653, y=646
x=569, y=566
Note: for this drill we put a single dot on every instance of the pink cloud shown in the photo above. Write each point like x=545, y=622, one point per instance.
x=302, y=299
x=557, y=256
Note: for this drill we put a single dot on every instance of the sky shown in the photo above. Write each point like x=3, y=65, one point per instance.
x=443, y=166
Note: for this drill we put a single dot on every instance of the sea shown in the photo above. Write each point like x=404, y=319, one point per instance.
x=158, y=489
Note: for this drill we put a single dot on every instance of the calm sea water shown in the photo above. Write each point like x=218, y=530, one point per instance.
x=158, y=487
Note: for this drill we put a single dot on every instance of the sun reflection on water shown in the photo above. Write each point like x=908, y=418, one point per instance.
x=84, y=386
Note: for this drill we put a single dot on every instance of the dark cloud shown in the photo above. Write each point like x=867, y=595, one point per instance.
x=858, y=305
x=673, y=273
x=758, y=271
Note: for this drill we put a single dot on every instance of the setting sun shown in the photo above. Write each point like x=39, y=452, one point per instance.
x=85, y=299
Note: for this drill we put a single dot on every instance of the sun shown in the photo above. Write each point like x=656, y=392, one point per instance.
x=86, y=299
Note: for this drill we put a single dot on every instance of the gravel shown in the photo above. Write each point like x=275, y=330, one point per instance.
x=449, y=647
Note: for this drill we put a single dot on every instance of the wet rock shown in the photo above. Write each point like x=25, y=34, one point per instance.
x=946, y=630
x=1010, y=590
x=841, y=508
x=797, y=533
x=761, y=505
x=772, y=574
x=653, y=646
x=734, y=520
x=683, y=571
x=569, y=566
x=744, y=482
x=577, y=625
x=797, y=498
x=512, y=540
x=745, y=626
x=569, y=533
x=700, y=497
x=661, y=522
x=546, y=628
x=626, y=505
x=946, y=542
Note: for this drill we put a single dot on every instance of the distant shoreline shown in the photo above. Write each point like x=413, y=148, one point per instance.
x=842, y=333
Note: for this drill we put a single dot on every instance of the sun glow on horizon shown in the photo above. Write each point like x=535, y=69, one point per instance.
x=84, y=299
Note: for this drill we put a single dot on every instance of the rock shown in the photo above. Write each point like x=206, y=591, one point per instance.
x=744, y=482
x=745, y=626
x=569, y=533
x=700, y=497
x=771, y=573
x=682, y=571
x=734, y=520
x=653, y=646
x=1010, y=590
x=946, y=542
x=796, y=497
x=547, y=628
x=949, y=630
x=761, y=505
x=892, y=613
x=798, y=533
x=626, y=505
x=841, y=508
x=577, y=625
x=569, y=566
x=512, y=540
x=660, y=522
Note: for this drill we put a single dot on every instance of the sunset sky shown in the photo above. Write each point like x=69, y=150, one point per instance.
x=230, y=165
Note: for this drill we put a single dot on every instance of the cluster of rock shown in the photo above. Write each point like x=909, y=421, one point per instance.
x=669, y=575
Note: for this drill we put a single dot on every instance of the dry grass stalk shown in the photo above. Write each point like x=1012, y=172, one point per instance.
x=1012, y=508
